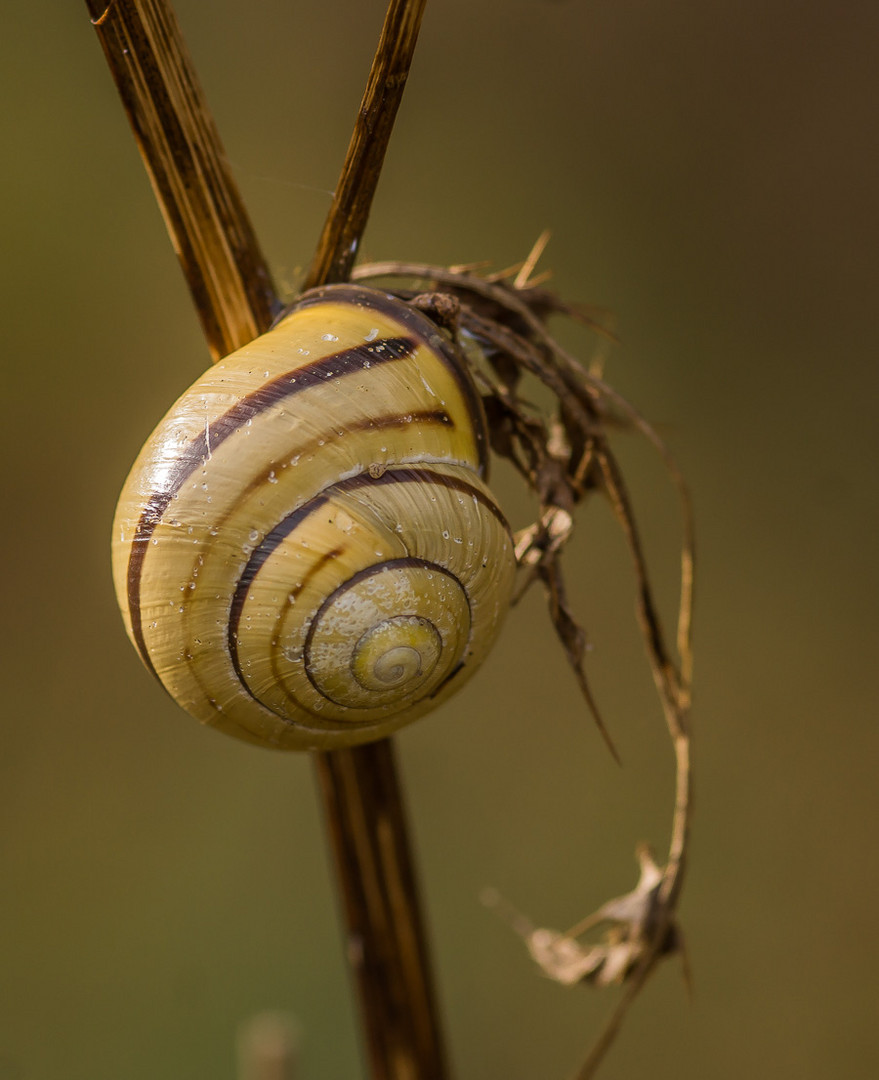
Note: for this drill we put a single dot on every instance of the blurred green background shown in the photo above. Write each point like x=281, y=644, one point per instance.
x=710, y=173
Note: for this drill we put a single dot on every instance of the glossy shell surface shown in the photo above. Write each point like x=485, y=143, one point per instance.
x=305, y=552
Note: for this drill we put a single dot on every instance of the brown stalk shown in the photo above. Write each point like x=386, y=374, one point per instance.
x=233, y=293
x=346, y=221
x=181, y=149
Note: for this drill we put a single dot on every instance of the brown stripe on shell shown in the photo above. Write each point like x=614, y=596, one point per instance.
x=257, y=560
x=293, y=593
x=459, y=667
x=321, y=442
x=199, y=449
x=206, y=690
x=419, y=326
x=324, y=441
x=406, y=563
x=412, y=474
x=286, y=526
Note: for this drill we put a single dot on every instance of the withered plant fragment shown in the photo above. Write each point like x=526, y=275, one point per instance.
x=564, y=455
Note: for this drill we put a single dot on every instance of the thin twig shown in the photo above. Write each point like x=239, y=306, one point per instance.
x=343, y=230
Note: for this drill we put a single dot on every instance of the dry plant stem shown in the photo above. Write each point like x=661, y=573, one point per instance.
x=674, y=693
x=181, y=149
x=343, y=230
x=232, y=291
x=387, y=944
x=672, y=880
x=368, y=829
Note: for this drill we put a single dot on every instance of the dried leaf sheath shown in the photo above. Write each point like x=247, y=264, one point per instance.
x=209, y=227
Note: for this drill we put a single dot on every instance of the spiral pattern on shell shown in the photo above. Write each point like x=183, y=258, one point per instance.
x=305, y=552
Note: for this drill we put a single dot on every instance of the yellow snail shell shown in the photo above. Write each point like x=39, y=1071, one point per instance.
x=305, y=552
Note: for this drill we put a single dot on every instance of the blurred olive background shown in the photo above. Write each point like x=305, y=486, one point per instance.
x=709, y=172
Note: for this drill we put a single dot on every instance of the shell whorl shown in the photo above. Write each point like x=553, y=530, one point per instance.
x=305, y=552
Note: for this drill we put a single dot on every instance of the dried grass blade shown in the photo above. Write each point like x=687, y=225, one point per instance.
x=211, y=232
x=345, y=224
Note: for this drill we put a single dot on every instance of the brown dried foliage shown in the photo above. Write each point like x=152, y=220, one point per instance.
x=565, y=456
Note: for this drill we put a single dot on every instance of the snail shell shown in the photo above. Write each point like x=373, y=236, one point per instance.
x=305, y=552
